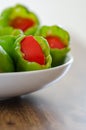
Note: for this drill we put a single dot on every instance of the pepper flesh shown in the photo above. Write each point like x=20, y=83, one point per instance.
x=32, y=50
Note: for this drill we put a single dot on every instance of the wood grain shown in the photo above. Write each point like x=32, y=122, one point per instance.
x=26, y=114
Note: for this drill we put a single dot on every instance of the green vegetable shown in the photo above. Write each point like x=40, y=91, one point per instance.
x=58, y=55
x=24, y=65
x=7, y=42
x=54, y=31
x=6, y=63
x=19, y=11
x=5, y=29
x=48, y=47
x=9, y=31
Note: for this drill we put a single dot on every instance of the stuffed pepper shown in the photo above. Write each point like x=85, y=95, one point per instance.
x=19, y=17
x=58, y=40
x=31, y=53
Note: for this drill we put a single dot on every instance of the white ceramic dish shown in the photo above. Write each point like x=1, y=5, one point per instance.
x=19, y=83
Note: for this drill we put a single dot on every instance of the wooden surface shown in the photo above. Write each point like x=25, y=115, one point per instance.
x=24, y=114
x=61, y=106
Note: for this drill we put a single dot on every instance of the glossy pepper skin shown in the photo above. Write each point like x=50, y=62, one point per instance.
x=6, y=63
x=6, y=53
x=7, y=42
x=25, y=65
x=58, y=55
x=10, y=16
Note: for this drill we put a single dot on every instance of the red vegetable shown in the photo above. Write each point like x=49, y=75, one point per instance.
x=21, y=23
x=32, y=50
x=55, y=42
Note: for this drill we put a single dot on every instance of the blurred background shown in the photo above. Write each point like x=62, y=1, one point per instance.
x=70, y=14
x=70, y=96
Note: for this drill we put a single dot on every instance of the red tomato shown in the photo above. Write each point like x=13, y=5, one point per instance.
x=55, y=42
x=22, y=23
x=32, y=50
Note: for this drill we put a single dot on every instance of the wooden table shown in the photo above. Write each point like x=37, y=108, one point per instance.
x=61, y=106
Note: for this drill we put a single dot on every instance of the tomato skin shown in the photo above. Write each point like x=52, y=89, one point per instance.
x=21, y=23
x=55, y=42
x=32, y=50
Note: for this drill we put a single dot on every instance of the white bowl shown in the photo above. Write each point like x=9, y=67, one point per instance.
x=19, y=83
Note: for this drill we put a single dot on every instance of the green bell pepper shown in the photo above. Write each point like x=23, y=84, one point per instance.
x=10, y=31
x=20, y=17
x=7, y=30
x=58, y=55
x=25, y=65
x=7, y=42
x=6, y=63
